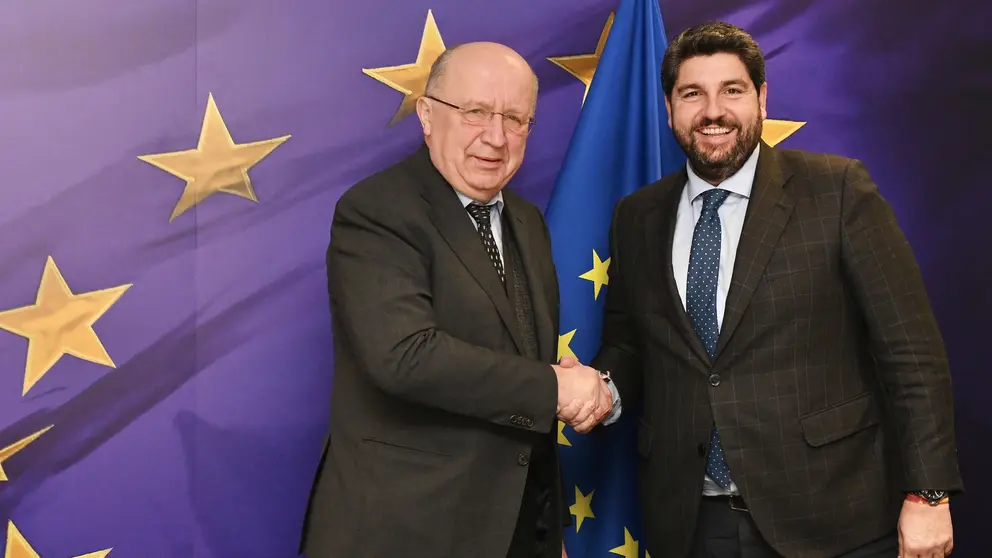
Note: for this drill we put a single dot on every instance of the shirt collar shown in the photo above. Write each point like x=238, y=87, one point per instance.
x=497, y=199
x=739, y=183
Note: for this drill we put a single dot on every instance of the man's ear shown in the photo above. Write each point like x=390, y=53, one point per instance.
x=424, y=114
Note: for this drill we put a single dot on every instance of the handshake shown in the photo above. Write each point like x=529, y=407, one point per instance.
x=584, y=399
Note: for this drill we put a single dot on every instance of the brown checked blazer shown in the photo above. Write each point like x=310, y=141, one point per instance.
x=830, y=386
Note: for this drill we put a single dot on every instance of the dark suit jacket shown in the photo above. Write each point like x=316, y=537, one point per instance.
x=830, y=387
x=434, y=413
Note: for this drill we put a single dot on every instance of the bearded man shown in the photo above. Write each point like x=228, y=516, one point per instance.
x=768, y=314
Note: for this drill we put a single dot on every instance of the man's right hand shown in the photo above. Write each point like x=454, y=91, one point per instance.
x=584, y=399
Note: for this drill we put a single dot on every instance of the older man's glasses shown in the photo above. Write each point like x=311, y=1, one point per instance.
x=480, y=117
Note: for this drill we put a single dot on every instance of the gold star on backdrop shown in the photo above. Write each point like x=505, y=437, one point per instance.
x=18, y=546
x=583, y=66
x=597, y=274
x=60, y=323
x=776, y=131
x=563, y=349
x=9, y=451
x=582, y=508
x=216, y=165
x=561, y=435
x=411, y=79
x=629, y=547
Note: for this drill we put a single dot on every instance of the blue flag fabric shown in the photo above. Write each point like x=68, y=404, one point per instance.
x=621, y=142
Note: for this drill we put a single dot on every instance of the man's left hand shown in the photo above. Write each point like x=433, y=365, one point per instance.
x=925, y=531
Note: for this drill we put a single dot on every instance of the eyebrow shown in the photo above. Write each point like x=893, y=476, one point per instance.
x=724, y=83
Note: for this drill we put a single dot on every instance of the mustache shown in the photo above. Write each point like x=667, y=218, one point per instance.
x=720, y=122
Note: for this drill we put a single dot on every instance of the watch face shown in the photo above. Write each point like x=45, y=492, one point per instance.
x=933, y=496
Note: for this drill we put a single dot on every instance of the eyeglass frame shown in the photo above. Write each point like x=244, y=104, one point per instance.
x=526, y=131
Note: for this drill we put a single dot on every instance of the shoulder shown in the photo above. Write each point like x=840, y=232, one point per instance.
x=816, y=166
x=647, y=197
x=388, y=194
x=521, y=204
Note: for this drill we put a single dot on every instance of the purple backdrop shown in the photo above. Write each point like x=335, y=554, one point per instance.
x=202, y=440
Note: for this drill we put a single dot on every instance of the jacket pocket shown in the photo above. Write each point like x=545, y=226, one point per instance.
x=840, y=421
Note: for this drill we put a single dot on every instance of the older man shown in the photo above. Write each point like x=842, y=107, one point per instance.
x=444, y=300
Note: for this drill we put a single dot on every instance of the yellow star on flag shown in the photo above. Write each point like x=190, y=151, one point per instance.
x=9, y=451
x=629, y=547
x=216, y=165
x=411, y=79
x=775, y=132
x=18, y=546
x=561, y=435
x=60, y=323
x=583, y=66
x=563, y=349
x=598, y=274
x=582, y=508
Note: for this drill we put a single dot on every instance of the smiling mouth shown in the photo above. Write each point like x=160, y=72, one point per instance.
x=487, y=159
x=713, y=131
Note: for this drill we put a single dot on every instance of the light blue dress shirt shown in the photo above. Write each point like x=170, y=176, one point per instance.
x=731, y=214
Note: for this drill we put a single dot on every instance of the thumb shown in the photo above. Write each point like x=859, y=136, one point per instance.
x=568, y=362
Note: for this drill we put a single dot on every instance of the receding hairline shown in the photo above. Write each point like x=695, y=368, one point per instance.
x=439, y=69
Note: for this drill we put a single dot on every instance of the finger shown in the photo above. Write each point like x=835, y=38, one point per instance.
x=587, y=410
x=568, y=362
x=902, y=545
x=587, y=426
x=568, y=412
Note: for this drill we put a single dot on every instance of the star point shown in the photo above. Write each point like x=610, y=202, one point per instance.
x=411, y=79
x=60, y=323
x=582, y=508
x=217, y=164
x=598, y=274
x=583, y=66
x=775, y=132
x=629, y=547
x=562, y=439
x=9, y=451
x=563, y=345
x=18, y=546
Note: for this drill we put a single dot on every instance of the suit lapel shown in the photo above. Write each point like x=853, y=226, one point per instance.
x=521, y=225
x=455, y=226
x=659, y=229
x=768, y=212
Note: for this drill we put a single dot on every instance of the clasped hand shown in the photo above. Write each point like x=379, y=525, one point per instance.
x=584, y=399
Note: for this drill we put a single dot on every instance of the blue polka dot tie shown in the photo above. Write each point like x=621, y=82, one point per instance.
x=704, y=267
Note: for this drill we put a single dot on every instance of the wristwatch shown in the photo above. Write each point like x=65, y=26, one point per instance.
x=932, y=497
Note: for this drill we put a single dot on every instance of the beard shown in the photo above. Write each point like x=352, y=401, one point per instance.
x=715, y=166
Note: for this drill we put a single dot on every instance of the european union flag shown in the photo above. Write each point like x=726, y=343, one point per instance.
x=621, y=142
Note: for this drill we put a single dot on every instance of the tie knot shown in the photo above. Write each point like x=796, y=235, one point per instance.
x=479, y=212
x=713, y=199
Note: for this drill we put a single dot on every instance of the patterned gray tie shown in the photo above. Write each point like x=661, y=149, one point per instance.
x=481, y=214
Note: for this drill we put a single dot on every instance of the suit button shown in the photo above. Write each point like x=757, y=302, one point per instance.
x=714, y=380
x=701, y=449
x=528, y=422
x=523, y=460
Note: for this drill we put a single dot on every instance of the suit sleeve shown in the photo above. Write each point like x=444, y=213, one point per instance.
x=379, y=284
x=904, y=335
x=619, y=351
